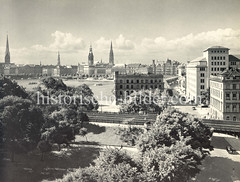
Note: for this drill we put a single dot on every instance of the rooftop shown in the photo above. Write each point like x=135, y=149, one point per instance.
x=216, y=47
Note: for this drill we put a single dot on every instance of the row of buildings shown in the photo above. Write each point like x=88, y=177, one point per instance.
x=90, y=68
x=216, y=73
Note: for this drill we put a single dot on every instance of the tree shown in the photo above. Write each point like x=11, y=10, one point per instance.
x=8, y=87
x=44, y=146
x=21, y=123
x=143, y=100
x=176, y=163
x=83, y=132
x=130, y=135
x=171, y=125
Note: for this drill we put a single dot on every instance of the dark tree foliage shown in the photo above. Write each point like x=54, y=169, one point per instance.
x=143, y=100
x=55, y=84
x=130, y=135
x=21, y=123
x=9, y=87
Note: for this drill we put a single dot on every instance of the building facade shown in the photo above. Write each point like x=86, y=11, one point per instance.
x=125, y=84
x=196, y=79
x=225, y=96
x=215, y=60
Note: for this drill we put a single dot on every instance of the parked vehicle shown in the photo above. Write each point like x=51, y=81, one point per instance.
x=230, y=149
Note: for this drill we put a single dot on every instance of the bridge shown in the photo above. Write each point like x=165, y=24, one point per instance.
x=223, y=125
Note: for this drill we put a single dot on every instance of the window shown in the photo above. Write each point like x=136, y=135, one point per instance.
x=202, y=86
x=142, y=86
x=223, y=57
x=234, y=108
x=220, y=63
x=127, y=81
x=224, y=63
x=151, y=81
x=234, y=118
x=120, y=92
x=202, y=75
x=121, y=81
x=234, y=86
x=131, y=86
x=227, y=96
x=146, y=81
x=220, y=57
x=202, y=80
x=131, y=81
x=160, y=81
x=202, y=69
x=142, y=81
x=212, y=58
x=212, y=63
x=121, y=86
x=215, y=58
x=228, y=107
x=137, y=81
x=227, y=117
x=146, y=87
x=217, y=63
x=234, y=96
x=127, y=86
x=212, y=69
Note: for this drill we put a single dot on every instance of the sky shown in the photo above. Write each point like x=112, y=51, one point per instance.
x=140, y=30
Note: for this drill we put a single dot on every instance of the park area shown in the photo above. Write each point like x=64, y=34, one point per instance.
x=220, y=166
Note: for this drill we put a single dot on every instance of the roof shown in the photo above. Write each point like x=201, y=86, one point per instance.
x=230, y=73
x=198, y=59
x=234, y=57
x=215, y=47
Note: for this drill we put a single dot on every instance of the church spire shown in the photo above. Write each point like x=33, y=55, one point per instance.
x=58, y=63
x=111, y=56
x=7, y=53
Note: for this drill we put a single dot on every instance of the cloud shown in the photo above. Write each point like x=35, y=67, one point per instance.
x=124, y=44
x=223, y=37
x=63, y=42
x=102, y=44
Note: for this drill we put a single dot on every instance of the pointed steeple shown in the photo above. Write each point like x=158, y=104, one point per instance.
x=58, y=62
x=111, y=56
x=7, y=53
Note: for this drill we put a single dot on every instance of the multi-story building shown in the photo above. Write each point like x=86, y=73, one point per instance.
x=125, y=84
x=225, y=95
x=196, y=79
x=215, y=59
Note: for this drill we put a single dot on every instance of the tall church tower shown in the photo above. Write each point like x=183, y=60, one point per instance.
x=58, y=62
x=90, y=57
x=111, y=56
x=7, y=53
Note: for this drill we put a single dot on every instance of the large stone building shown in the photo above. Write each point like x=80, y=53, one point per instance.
x=225, y=95
x=198, y=71
x=125, y=84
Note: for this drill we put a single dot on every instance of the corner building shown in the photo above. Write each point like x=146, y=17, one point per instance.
x=125, y=84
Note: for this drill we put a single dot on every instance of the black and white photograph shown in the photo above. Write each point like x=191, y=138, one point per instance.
x=119, y=90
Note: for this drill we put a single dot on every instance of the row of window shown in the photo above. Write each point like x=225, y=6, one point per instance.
x=234, y=96
x=218, y=58
x=202, y=68
x=233, y=108
x=218, y=63
x=221, y=51
x=232, y=86
x=142, y=81
x=234, y=118
x=217, y=69
x=233, y=63
x=142, y=86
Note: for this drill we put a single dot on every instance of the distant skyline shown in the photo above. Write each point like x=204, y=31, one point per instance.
x=141, y=30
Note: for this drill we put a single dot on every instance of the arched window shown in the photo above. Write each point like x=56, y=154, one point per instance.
x=234, y=118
